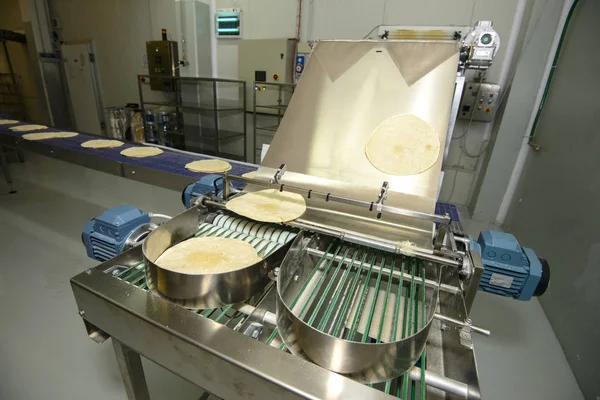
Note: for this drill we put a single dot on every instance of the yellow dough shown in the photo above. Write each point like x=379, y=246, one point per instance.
x=101, y=144
x=208, y=166
x=403, y=145
x=48, y=135
x=8, y=121
x=251, y=174
x=208, y=255
x=269, y=205
x=27, y=128
x=141, y=152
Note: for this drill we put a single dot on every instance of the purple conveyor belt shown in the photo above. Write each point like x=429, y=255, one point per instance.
x=172, y=162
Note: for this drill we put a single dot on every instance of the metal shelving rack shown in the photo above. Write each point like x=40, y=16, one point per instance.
x=206, y=106
x=280, y=107
x=11, y=99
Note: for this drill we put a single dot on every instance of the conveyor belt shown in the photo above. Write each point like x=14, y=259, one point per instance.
x=170, y=162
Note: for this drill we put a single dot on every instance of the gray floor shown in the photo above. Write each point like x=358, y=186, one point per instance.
x=45, y=353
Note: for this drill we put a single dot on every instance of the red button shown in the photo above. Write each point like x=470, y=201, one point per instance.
x=491, y=95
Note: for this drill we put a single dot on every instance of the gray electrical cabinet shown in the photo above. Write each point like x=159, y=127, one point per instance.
x=266, y=60
x=163, y=59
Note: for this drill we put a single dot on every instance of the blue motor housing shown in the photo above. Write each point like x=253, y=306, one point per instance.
x=105, y=236
x=208, y=184
x=509, y=269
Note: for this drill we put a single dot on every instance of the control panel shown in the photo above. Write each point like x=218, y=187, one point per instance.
x=479, y=101
x=163, y=59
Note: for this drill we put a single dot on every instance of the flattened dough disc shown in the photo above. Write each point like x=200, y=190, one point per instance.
x=27, y=128
x=403, y=145
x=101, y=144
x=251, y=174
x=141, y=152
x=48, y=135
x=8, y=121
x=269, y=205
x=208, y=255
x=208, y=166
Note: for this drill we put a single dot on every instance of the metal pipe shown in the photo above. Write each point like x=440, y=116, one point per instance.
x=153, y=215
x=386, y=272
x=354, y=238
x=474, y=328
x=446, y=384
x=443, y=219
x=268, y=318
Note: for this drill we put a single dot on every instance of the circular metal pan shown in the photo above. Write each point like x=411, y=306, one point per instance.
x=338, y=307
x=200, y=291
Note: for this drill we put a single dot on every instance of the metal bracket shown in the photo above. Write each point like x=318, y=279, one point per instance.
x=465, y=334
x=441, y=234
x=382, y=197
x=254, y=330
x=279, y=174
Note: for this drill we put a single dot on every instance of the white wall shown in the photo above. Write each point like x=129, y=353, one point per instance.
x=122, y=28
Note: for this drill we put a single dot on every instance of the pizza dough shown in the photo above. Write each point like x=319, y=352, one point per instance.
x=403, y=145
x=27, y=128
x=141, y=152
x=269, y=205
x=8, y=121
x=48, y=135
x=101, y=144
x=208, y=255
x=251, y=174
x=212, y=165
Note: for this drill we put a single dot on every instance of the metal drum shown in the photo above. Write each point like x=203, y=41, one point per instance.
x=199, y=291
x=354, y=310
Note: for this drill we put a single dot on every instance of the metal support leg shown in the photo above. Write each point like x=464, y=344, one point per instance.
x=6, y=169
x=132, y=372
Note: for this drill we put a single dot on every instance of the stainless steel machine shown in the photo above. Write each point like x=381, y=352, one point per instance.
x=367, y=295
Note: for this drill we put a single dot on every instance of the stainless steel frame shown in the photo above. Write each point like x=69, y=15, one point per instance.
x=458, y=91
x=231, y=365
x=222, y=357
x=207, y=103
x=280, y=107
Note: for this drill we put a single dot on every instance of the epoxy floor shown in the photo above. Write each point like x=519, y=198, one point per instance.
x=46, y=354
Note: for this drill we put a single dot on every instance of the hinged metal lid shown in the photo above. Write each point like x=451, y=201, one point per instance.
x=347, y=89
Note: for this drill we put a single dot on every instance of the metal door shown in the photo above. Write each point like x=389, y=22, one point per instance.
x=555, y=210
x=82, y=81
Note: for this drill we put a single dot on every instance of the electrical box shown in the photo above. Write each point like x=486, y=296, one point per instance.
x=228, y=23
x=266, y=60
x=163, y=60
x=479, y=101
x=302, y=54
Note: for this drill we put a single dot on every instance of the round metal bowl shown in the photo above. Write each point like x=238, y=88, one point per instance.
x=200, y=291
x=370, y=359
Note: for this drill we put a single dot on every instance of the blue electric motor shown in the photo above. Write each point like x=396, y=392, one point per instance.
x=509, y=269
x=212, y=183
x=107, y=236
